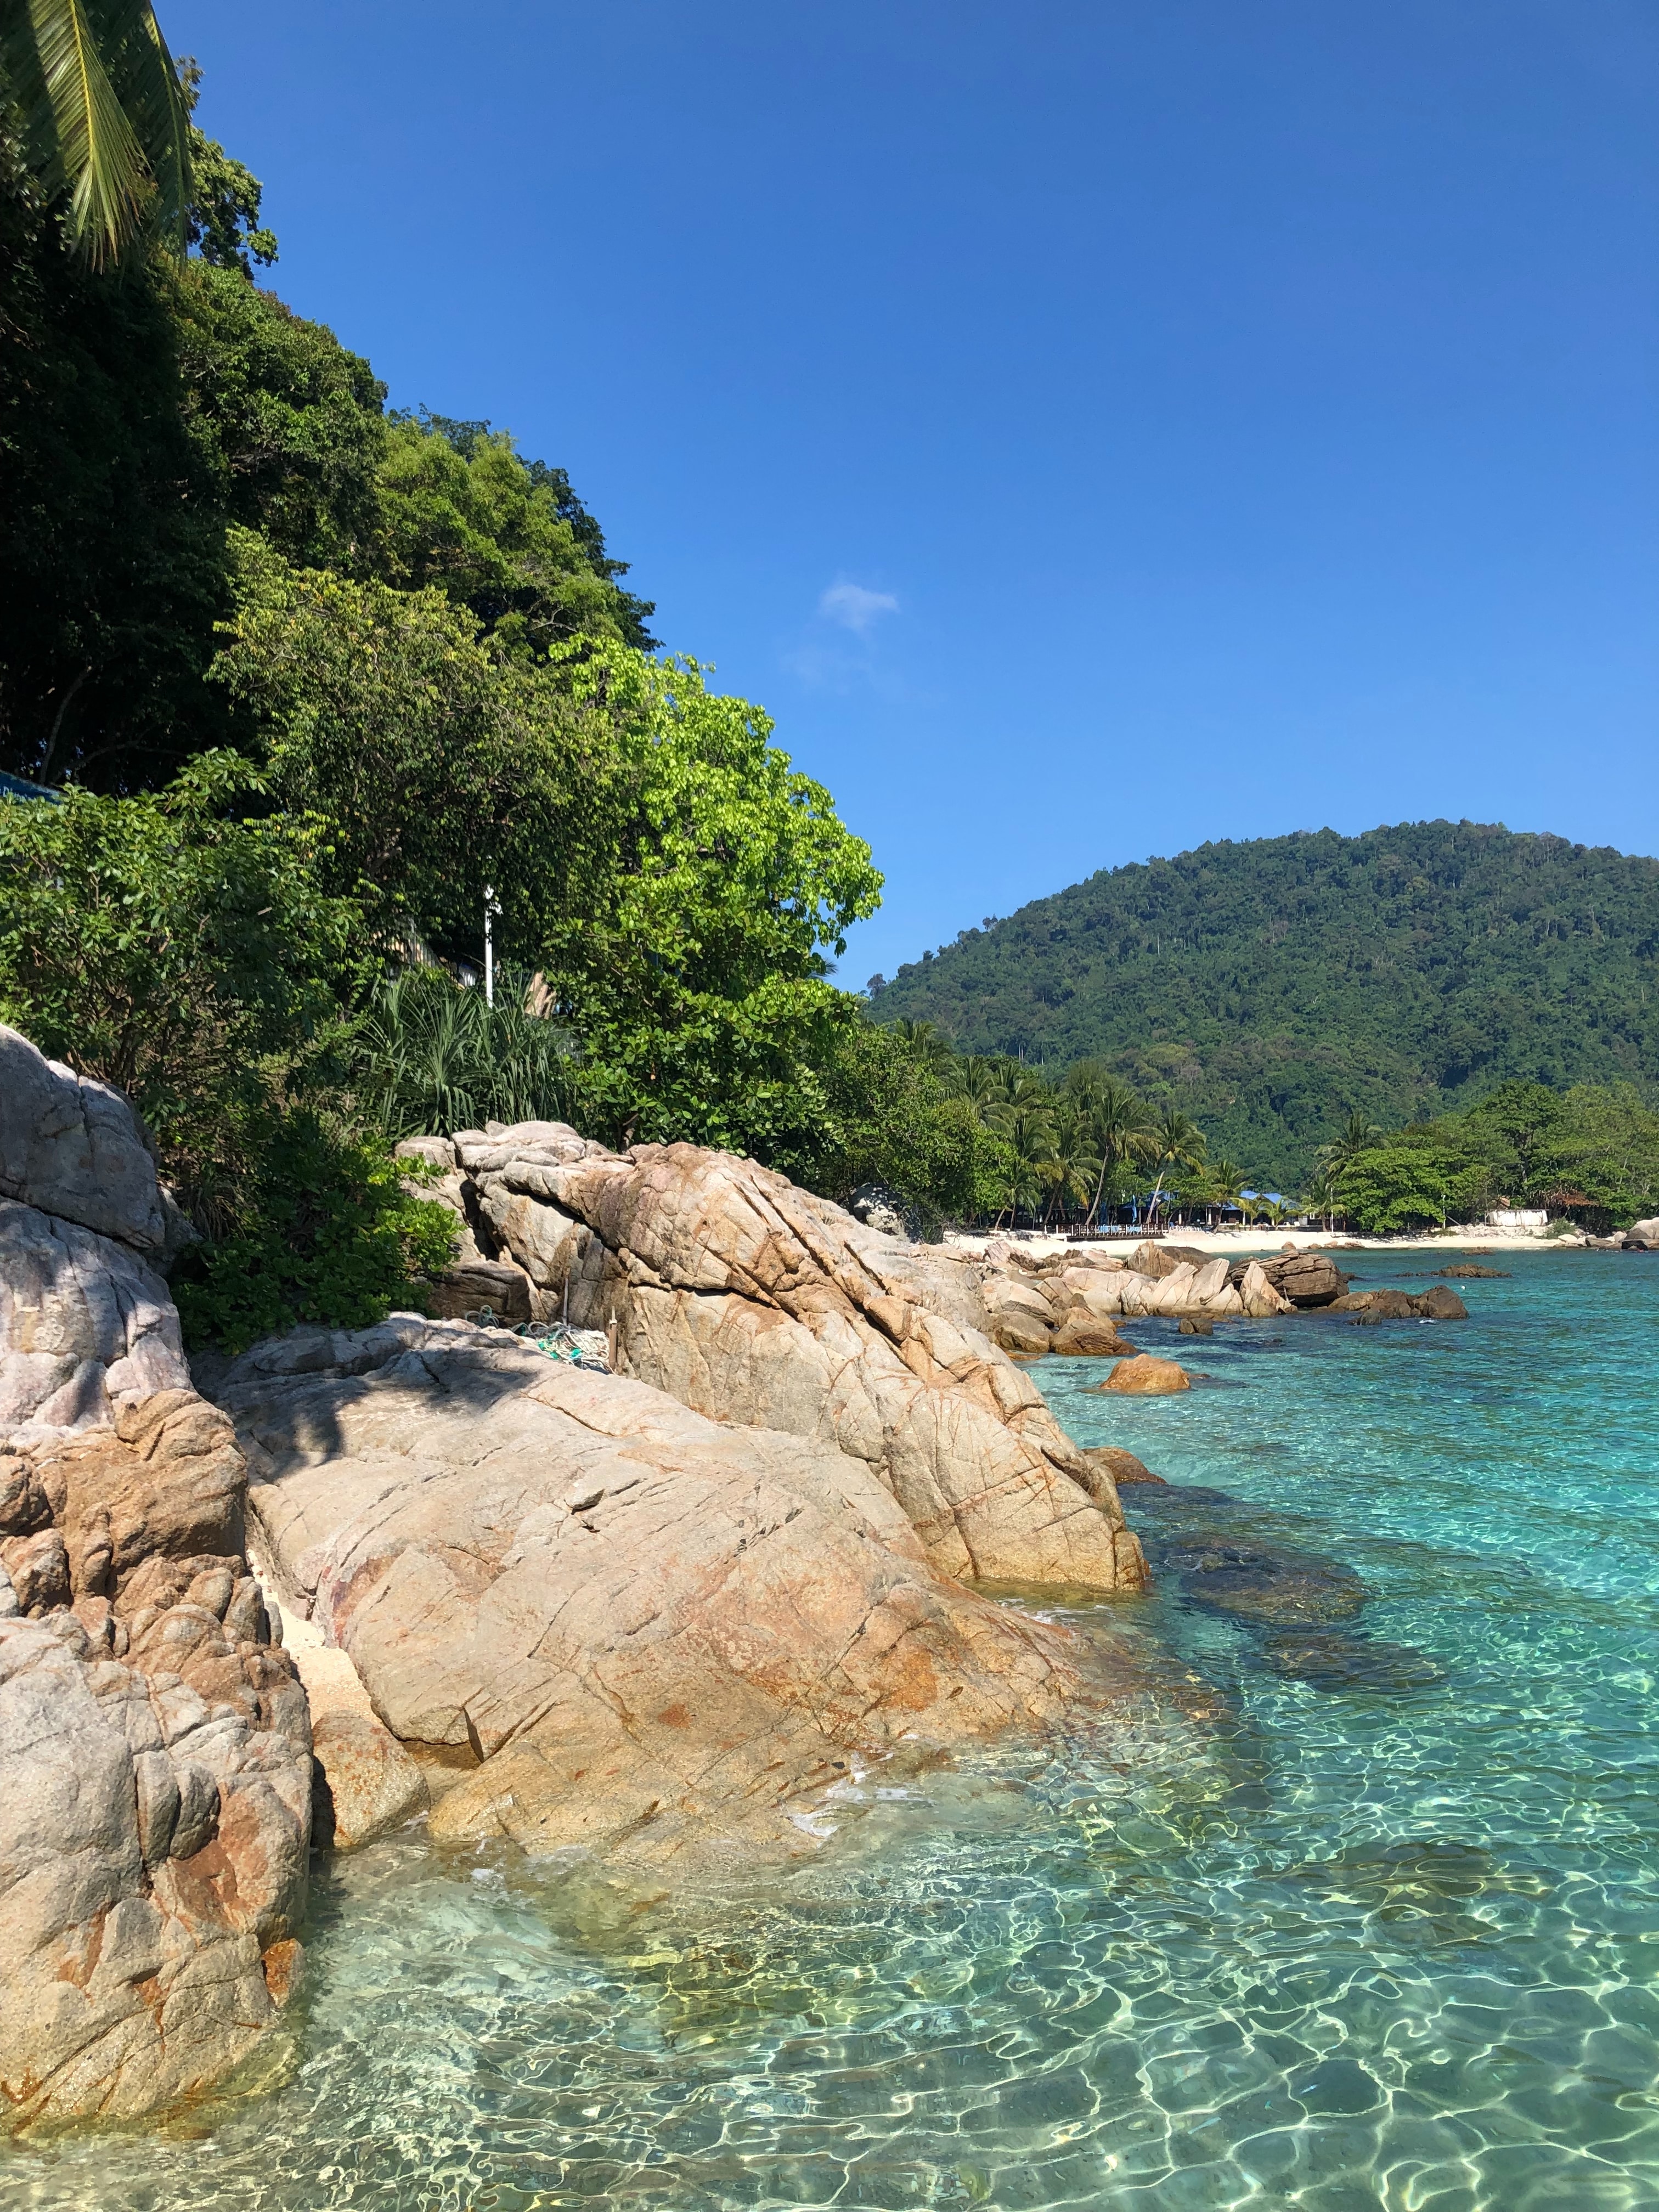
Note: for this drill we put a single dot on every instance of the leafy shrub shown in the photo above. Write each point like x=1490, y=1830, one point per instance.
x=328, y=1235
x=186, y=955
x=436, y=1057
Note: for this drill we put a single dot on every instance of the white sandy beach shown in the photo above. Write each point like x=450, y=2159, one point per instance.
x=1246, y=1241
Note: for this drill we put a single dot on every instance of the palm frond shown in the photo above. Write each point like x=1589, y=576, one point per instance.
x=146, y=78
x=104, y=116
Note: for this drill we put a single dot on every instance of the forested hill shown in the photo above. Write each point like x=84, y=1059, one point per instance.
x=1268, y=987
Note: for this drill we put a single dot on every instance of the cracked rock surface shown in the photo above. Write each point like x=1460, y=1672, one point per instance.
x=154, y=1771
x=754, y=1302
x=154, y=1747
x=602, y=1619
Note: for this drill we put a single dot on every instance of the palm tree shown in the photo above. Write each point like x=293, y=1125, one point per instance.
x=1322, y=1195
x=928, y=1045
x=1070, y=1167
x=975, y=1079
x=1013, y=1089
x=1120, y=1126
x=1179, y=1144
x=1226, y=1184
x=104, y=115
x=1358, y=1135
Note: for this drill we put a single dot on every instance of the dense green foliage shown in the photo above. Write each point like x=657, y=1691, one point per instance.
x=323, y=686
x=434, y=1057
x=1268, y=987
x=326, y=1232
x=145, y=416
x=1590, y=1153
x=190, y=957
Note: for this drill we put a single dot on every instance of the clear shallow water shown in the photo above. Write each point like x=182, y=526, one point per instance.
x=1351, y=1947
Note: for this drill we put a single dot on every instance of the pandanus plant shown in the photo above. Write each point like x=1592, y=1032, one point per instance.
x=105, y=120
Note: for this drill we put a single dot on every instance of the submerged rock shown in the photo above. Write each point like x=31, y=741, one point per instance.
x=1331, y=1661
x=1266, y=1587
x=1436, y=1303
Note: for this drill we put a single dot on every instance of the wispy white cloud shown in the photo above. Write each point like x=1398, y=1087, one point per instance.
x=855, y=607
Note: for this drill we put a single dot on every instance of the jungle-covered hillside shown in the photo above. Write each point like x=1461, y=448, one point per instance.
x=1269, y=987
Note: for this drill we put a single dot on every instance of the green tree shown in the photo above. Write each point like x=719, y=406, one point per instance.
x=1417, y=1179
x=701, y=992
x=460, y=511
x=112, y=569
x=1175, y=1143
x=286, y=421
x=887, y=1117
x=193, y=959
x=446, y=770
x=1121, y=1128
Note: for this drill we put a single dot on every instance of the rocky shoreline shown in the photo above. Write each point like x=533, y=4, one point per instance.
x=647, y=1607
x=649, y=1613
x=1069, y=1304
x=155, y=1751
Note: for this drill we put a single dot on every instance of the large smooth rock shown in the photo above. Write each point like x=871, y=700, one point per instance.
x=655, y=1633
x=154, y=1772
x=1145, y=1377
x=85, y=1325
x=72, y=1147
x=1160, y=1260
x=1259, y=1300
x=1081, y=1336
x=1021, y=1315
x=1306, y=1278
x=1644, y=1234
x=752, y=1301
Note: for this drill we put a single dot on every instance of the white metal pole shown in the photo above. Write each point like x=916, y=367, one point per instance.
x=489, y=947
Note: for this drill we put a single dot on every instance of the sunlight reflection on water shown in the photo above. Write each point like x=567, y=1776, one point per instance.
x=1385, y=1935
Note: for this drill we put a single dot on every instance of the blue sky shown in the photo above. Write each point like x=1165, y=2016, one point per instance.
x=1088, y=429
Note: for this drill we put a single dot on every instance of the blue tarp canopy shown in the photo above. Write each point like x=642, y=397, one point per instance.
x=14, y=787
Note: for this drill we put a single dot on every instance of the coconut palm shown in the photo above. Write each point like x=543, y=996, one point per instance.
x=1069, y=1166
x=1226, y=1184
x=104, y=116
x=1323, y=1194
x=1358, y=1135
x=928, y=1045
x=1178, y=1143
x=1121, y=1125
x=975, y=1078
x=1014, y=1089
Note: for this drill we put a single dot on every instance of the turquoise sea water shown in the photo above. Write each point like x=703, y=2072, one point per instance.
x=1381, y=1932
